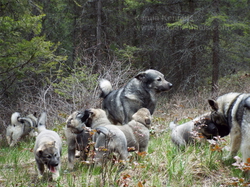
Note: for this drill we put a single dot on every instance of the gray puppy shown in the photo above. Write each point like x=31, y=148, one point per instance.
x=109, y=138
x=77, y=137
x=48, y=149
x=202, y=126
x=140, y=92
x=137, y=130
x=20, y=127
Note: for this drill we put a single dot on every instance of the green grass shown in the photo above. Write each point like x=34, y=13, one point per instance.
x=163, y=165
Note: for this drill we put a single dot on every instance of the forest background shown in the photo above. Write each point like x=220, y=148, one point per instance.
x=53, y=52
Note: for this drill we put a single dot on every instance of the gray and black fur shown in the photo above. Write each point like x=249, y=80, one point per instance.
x=48, y=149
x=108, y=137
x=232, y=111
x=77, y=136
x=140, y=92
x=184, y=134
x=20, y=127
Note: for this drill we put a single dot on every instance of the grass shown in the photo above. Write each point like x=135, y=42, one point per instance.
x=163, y=165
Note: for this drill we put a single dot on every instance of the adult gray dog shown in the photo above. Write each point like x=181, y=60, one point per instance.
x=77, y=137
x=108, y=138
x=20, y=127
x=48, y=149
x=233, y=109
x=140, y=92
x=201, y=126
x=137, y=130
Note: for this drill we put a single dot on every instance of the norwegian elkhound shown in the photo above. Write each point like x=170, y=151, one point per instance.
x=109, y=138
x=233, y=111
x=20, y=127
x=140, y=92
x=137, y=130
x=77, y=136
x=48, y=149
x=201, y=126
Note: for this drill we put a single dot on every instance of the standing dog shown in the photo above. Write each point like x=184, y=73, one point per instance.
x=48, y=149
x=233, y=109
x=77, y=136
x=185, y=133
x=108, y=138
x=139, y=92
x=20, y=127
x=137, y=130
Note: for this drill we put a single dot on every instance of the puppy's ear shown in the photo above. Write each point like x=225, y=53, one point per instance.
x=147, y=121
x=39, y=152
x=213, y=104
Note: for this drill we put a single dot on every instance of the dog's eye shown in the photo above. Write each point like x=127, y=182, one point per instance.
x=159, y=79
x=49, y=156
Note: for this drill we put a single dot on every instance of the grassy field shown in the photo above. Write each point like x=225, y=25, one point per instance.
x=163, y=165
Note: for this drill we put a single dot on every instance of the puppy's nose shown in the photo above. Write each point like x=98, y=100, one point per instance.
x=170, y=85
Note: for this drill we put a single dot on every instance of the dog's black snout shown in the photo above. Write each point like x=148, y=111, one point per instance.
x=170, y=85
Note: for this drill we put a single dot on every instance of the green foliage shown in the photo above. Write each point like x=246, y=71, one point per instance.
x=23, y=51
x=127, y=54
x=77, y=85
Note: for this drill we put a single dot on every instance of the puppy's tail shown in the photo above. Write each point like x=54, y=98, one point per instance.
x=14, y=118
x=106, y=87
x=172, y=124
x=42, y=122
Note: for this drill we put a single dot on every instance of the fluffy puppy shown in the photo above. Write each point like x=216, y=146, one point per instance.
x=48, y=149
x=77, y=137
x=109, y=138
x=203, y=126
x=20, y=127
x=137, y=130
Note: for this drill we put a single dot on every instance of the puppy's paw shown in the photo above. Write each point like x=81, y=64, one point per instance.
x=40, y=176
x=55, y=176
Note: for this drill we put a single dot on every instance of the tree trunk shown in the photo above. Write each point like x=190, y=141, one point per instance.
x=98, y=35
x=215, y=50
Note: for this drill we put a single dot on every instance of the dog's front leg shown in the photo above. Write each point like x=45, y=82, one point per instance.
x=71, y=157
x=40, y=169
x=235, y=141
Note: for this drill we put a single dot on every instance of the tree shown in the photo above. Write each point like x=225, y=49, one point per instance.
x=25, y=55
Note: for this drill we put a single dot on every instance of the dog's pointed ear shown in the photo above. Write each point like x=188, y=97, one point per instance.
x=141, y=76
x=213, y=104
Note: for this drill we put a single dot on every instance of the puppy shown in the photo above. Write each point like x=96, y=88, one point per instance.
x=77, y=137
x=139, y=92
x=183, y=134
x=48, y=149
x=137, y=130
x=20, y=127
x=109, y=138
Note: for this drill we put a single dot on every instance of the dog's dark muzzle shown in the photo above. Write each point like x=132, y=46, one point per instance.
x=164, y=87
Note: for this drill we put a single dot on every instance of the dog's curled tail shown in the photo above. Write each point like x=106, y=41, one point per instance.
x=172, y=124
x=106, y=87
x=14, y=118
x=42, y=122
